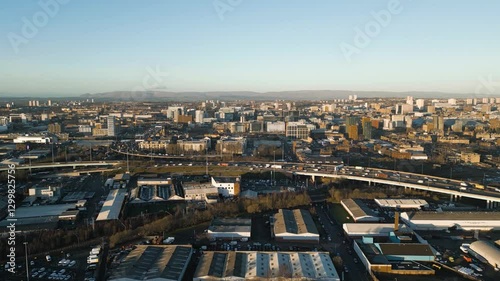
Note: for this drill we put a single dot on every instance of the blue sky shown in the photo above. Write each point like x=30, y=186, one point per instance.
x=258, y=45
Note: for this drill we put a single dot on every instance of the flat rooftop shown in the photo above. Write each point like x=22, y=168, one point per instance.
x=401, y=203
x=112, y=206
x=231, y=225
x=42, y=211
x=362, y=229
x=411, y=249
x=159, y=262
x=461, y=216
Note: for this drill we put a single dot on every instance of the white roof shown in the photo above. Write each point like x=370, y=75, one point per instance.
x=488, y=251
x=401, y=203
x=111, y=208
x=370, y=229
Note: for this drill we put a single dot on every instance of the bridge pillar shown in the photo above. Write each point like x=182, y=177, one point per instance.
x=488, y=204
x=313, y=178
x=451, y=197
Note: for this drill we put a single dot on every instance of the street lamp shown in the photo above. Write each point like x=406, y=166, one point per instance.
x=26, y=256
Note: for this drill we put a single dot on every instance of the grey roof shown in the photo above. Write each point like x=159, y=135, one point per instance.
x=226, y=179
x=161, y=262
x=250, y=265
x=43, y=210
x=406, y=249
x=296, y=221
x=357, y=208
x=231, y=225
x=488, y=251
x=455, y=216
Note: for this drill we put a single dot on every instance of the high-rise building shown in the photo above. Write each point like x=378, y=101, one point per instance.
x=351, y=120
x=438, y=123
x=452, y=101
x=111, y=126
x=199, y=115
x=352, y=132
x=367, y=128
x=458, y=126
x=420, y=103
x=409, y=100
x=54, y=128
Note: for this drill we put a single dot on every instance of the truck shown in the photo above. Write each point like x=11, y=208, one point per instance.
x=92, y=260
x=169, y=240
x=358, y=168
x=465, y=184
x=276, y=166
x=381, y=175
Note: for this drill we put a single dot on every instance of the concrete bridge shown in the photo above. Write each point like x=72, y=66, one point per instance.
x=415, y=181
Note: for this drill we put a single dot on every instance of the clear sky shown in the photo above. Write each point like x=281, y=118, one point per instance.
x=258, y=45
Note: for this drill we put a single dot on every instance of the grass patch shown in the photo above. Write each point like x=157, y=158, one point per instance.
x=340, y=215
x=133, y=210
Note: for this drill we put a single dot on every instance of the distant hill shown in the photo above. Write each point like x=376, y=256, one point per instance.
x=248, y=95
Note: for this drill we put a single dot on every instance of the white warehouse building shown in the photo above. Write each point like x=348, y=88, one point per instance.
x=32, y=139
x=461, y=220
x=402, y=203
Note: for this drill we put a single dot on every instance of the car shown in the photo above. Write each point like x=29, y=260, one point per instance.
x=346, y=270
x=355, y=260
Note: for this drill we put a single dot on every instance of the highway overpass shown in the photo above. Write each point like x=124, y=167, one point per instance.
x=492, y=199
x=74, y=165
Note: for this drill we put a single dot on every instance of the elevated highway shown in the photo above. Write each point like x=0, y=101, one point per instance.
x=409, y=180
x=74, y=165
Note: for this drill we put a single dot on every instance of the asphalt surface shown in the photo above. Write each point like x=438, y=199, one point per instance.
x=356, y=271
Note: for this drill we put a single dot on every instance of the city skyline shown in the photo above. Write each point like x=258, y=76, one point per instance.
x=207, y=46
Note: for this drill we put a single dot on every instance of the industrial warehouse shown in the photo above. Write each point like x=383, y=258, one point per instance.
x=230, y=229
x=359, y=211
x=295, y=225
x=159, y=263
x=358, y=230
x=250, y=265
x=113, y=205
x=460, y=220
x=402, y=203
x=487, y=252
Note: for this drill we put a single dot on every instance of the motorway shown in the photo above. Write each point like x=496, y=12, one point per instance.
x=390, y=177
x=404, y=179
x=63, y=165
